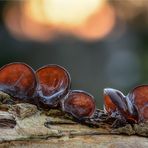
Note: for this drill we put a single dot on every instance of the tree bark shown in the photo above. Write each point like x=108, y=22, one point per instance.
x=23, y=125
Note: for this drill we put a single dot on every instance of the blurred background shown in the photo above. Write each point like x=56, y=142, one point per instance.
x=102, y=43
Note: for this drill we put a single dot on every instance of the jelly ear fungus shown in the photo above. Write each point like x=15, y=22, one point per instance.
x=80, y=104
x=114, y=98
x=116, y=105
x=19, y=81
x=54, y=83
x=48, y=87
x=139, y=99
x=132, y=108
x=54, y=90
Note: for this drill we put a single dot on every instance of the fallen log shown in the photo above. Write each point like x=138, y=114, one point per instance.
x=23, y=125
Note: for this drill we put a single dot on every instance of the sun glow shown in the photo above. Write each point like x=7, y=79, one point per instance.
x=67, y=12
x=42, y=19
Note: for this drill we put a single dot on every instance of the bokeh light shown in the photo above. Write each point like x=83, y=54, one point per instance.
x=42, y=20
x=102, y=43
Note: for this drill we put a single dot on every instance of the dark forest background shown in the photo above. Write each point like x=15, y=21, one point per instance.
x=118, y=60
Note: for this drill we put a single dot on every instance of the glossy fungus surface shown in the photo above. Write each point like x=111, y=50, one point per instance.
x=139, y=98
x=80, y=104
x=131, y=108
x=54, y=84
x=109, y=106
x=115, y=103
x=18, y=80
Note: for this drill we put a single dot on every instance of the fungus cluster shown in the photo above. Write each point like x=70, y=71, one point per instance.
x=50, y=87
x=132, y=108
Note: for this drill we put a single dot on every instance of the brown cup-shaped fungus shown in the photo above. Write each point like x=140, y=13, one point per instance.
x=19, y=81
x=79, y=104
x=139, y=98
x=117, y=105
x=54, y=84
x=109, y=106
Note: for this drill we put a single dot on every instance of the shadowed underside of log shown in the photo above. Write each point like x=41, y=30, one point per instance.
x=23, y=125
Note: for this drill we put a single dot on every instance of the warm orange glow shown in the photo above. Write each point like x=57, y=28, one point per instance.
x=98, y=25
x=41, y=20
x=68, y=12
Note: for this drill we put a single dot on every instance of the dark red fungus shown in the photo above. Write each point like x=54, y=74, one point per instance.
x=80, y=104
x=47, y=88
x=109, y=106
x=131, y=108
x=139, y=99
x=54, y=84
x=18, y=80
x=115, y=103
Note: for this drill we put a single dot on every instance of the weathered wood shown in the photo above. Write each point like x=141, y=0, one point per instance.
x=96, y=141
x=23, y=125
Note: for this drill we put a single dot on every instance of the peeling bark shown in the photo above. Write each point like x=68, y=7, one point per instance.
x=23, y=125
